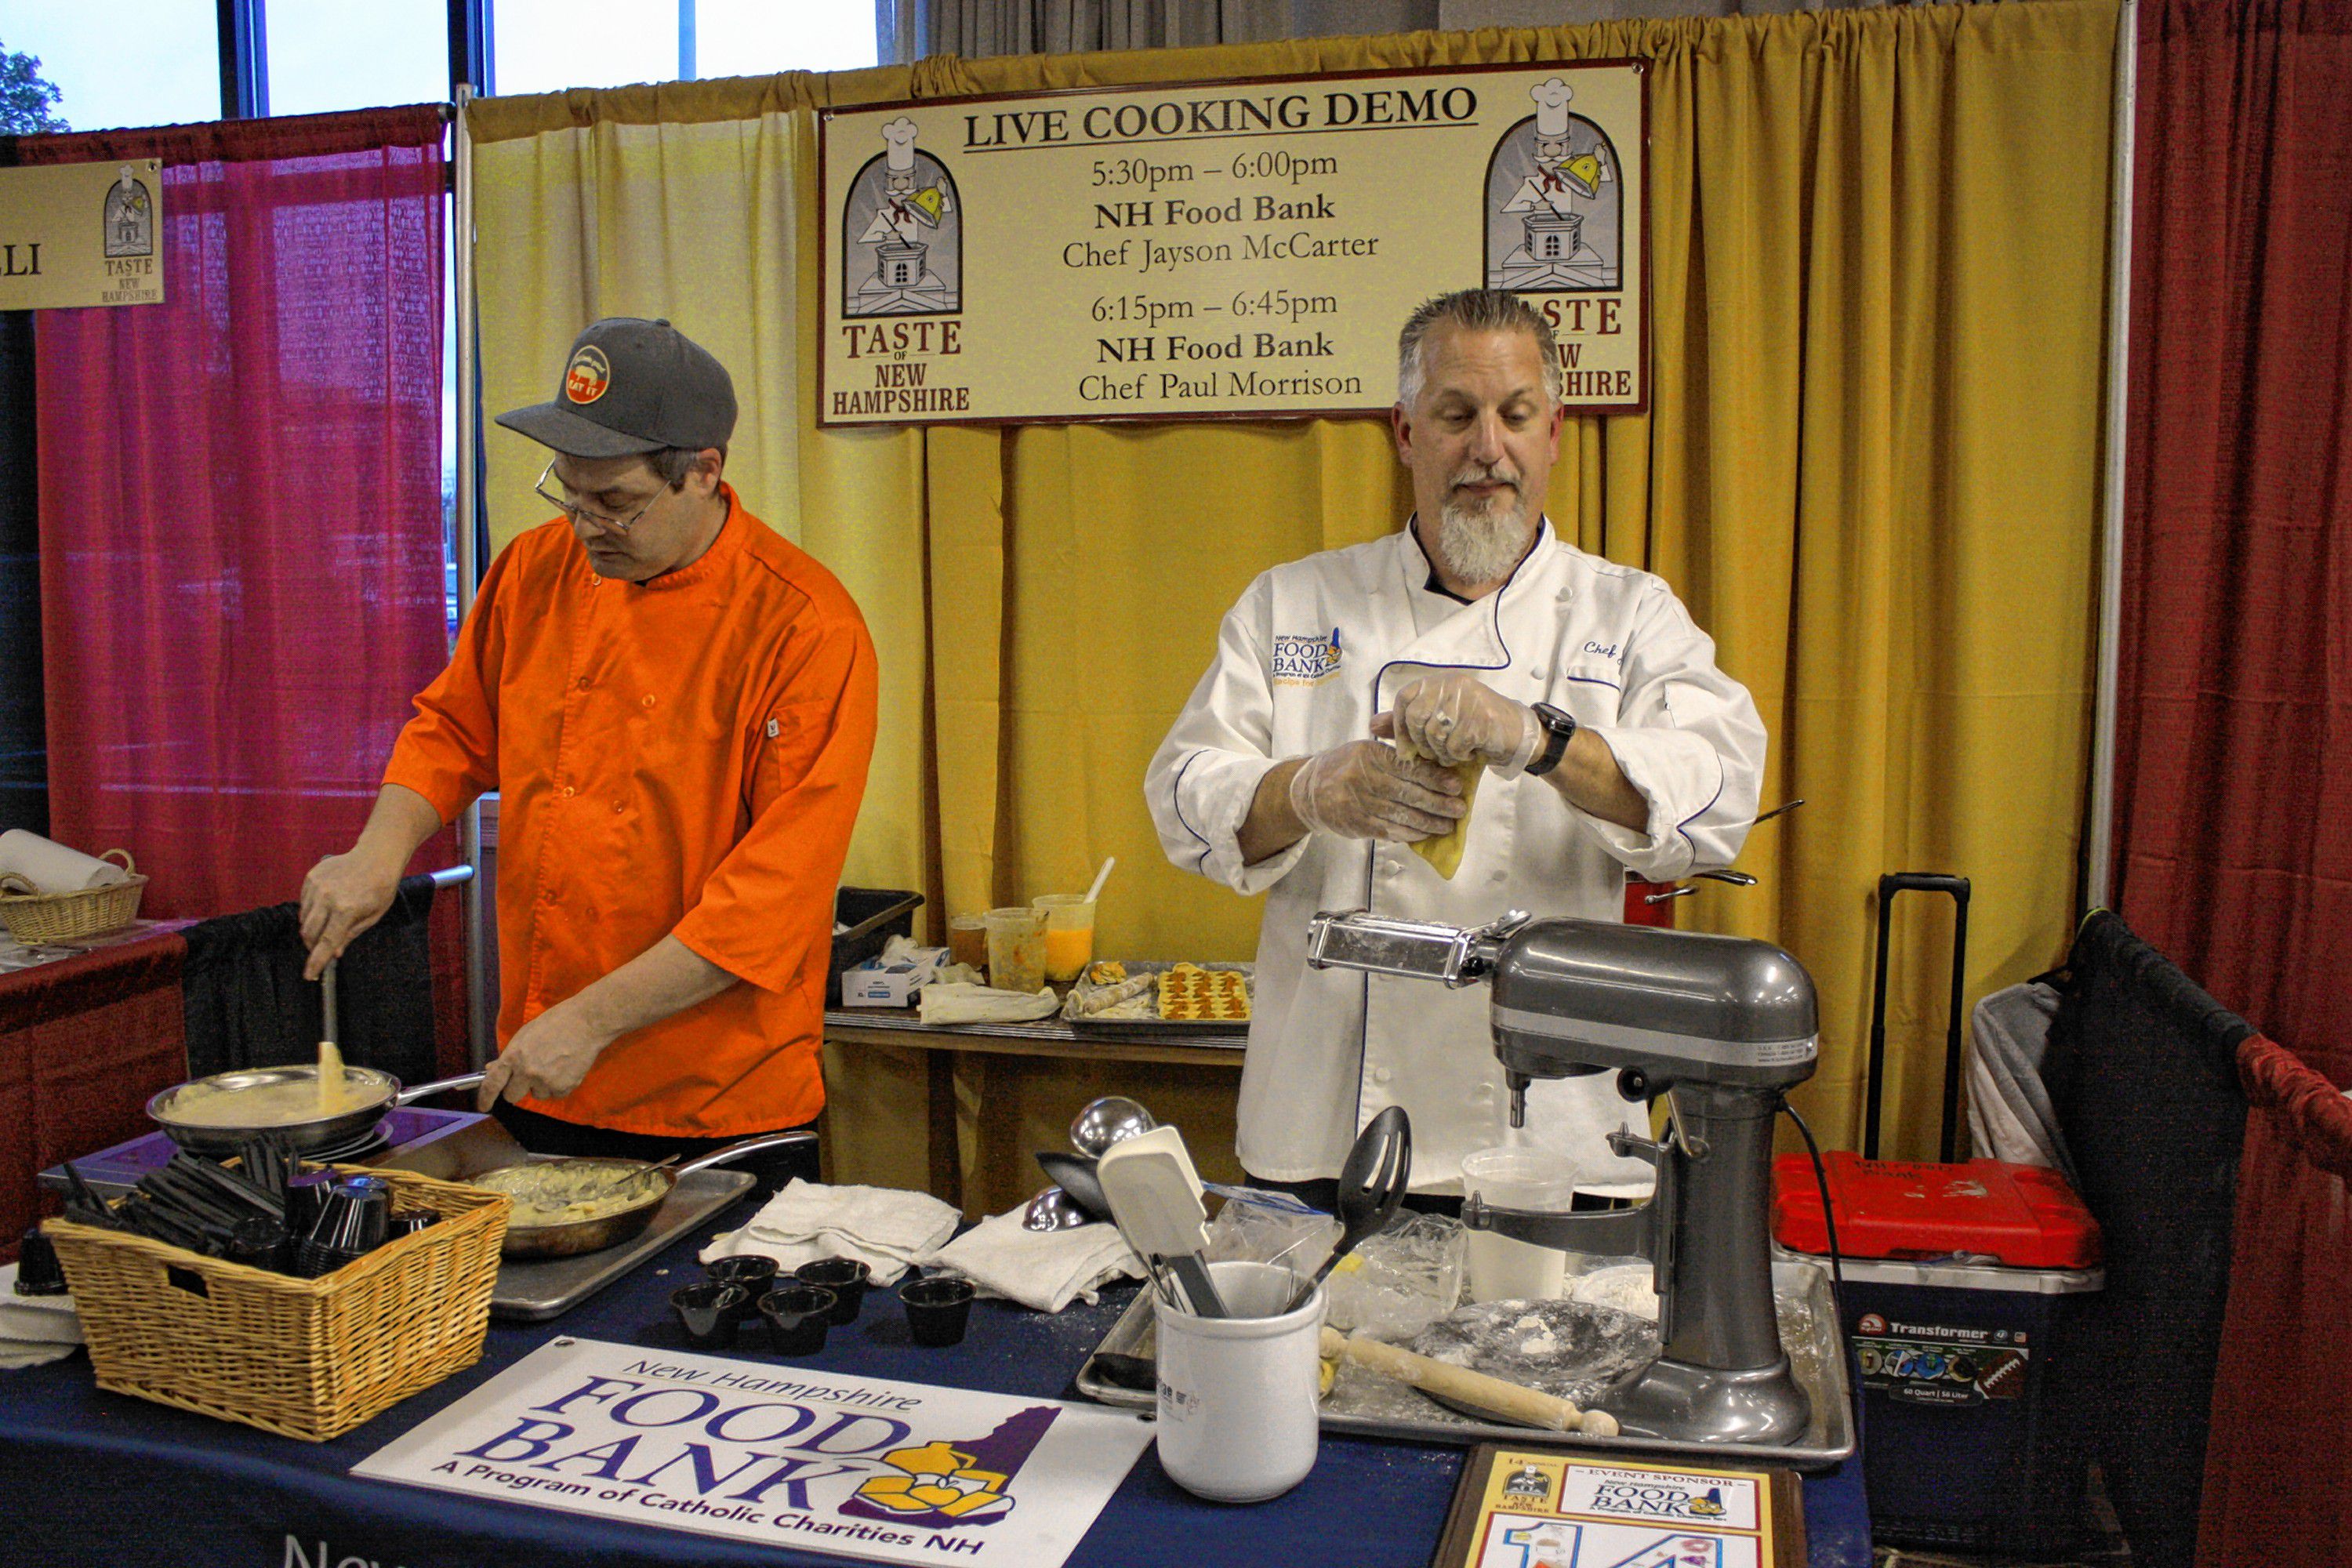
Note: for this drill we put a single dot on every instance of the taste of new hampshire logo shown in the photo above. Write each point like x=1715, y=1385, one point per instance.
x=940, y=1483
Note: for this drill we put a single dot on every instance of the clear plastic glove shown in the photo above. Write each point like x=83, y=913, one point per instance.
x=1456, y=719
x=1366, y=790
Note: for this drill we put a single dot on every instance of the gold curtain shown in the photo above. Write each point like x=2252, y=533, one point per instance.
x=1871, y=469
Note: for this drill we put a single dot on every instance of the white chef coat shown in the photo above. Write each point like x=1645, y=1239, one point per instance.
x=1310, y=653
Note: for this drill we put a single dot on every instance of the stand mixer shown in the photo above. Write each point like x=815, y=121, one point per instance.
x=1718, y=1027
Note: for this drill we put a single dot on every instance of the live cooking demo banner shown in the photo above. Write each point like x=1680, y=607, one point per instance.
x=1230, y=248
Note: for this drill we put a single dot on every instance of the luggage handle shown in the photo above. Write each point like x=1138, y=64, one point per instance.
x=1889, y=885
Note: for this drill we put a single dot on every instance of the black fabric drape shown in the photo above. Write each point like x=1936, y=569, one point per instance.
x=2142, y=1068
x=23, y=728
x=248, y=1006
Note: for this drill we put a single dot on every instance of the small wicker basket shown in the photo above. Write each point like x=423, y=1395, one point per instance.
x=34, y=917
x=304, y=1358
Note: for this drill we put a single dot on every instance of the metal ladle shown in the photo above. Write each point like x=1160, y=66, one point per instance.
x=1111, y=1119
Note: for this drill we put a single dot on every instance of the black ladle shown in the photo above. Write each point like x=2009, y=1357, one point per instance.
x=1371, y=1184
x=1075, y=1175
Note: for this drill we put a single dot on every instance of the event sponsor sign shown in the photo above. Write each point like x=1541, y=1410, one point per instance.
x=780, y=1455
x=81, y=233
x=1227, y=248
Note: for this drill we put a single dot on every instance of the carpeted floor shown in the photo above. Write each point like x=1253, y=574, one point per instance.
x=2103, y=1545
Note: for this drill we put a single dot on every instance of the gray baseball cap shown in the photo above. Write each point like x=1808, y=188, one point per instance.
x=633, y=385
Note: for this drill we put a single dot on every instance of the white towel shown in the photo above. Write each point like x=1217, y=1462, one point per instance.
x=885, y=1228
x=952, y=1004
x=1044, y=1270
x=51, y=867
x=35, y=1329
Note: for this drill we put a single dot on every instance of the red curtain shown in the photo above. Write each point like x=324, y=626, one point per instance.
x=2278, y=1468
x=2233, y=773
x=242, y=578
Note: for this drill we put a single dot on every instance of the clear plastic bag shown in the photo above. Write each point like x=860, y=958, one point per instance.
x=1402, y=1280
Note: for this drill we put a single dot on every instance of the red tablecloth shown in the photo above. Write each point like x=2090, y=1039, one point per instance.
x=83, y=1043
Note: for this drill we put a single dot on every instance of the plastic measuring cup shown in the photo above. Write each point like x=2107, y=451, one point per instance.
x=1503, y=1268
x=1069, y=934
x=1016, y=948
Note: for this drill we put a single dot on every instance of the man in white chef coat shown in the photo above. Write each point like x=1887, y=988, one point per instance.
x=1612, y=745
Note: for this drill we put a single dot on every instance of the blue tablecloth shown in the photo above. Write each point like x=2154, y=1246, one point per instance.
x=91, y=1477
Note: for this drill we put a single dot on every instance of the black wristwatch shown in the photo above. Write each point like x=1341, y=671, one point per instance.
x=1559, y=728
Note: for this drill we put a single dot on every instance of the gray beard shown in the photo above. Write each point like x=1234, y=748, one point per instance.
x=1481, y=547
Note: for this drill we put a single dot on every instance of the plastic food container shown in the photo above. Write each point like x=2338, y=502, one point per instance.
x=1960, y=1281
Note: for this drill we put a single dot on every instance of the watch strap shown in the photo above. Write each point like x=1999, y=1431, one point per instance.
x=1559, y=728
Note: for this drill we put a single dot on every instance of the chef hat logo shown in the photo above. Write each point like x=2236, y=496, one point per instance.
x=899, y=134
x=1551, y=98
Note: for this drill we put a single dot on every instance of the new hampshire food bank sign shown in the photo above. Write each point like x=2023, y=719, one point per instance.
x=896, y=1472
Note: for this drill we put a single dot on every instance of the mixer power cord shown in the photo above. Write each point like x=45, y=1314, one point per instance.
x=1837, y=1271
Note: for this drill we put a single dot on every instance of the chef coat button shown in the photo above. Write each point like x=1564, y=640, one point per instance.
x=620, y=806
x=568, y=791
x=1485, y=1092
x=1500, y=874
x=1381, y=1075
x=584, y=683
x=1390, y=867
x=648, y=701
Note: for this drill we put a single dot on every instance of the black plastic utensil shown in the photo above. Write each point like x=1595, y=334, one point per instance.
x=1371, y=1184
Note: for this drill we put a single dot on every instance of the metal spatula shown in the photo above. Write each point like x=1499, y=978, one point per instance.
x=1155, y=1195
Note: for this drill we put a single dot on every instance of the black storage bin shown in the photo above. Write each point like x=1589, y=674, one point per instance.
x=873, y=915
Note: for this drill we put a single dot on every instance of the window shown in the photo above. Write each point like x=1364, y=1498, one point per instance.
x=130, y=62
x=545, y=45
x=759, y=37
x=328, y=55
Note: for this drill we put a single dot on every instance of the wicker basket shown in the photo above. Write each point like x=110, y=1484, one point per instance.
x=34, y=918
x=305, y=1358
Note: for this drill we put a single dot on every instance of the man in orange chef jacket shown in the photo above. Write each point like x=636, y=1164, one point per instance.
x=676, y=708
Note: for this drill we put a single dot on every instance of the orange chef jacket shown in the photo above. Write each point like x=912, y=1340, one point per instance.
x=683, y=756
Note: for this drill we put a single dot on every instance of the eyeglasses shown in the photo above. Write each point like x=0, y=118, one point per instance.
x=580, y=514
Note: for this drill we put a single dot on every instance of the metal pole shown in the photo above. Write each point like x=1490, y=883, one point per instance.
x=480, y=1027
x=2099, y=871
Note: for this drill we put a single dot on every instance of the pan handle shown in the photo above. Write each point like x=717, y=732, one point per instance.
x=737, y=1151
x=439, y=1086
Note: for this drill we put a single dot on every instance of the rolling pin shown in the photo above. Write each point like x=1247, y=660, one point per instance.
x=1527, y=1406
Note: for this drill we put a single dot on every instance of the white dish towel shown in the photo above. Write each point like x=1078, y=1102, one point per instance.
x=886, y=1228
x=35, y=1329
x=1044, y=1270
x=52, y=866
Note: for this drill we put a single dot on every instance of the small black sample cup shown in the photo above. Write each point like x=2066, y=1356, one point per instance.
x=708, y=1312
x=756, y=1274
x=845, y=1276
x=356, y=1214
x=261, y=1243
x=38, y=1272
x=798, y=1317
x=408, y=1222
x=305, y=1194
x=936, y=1309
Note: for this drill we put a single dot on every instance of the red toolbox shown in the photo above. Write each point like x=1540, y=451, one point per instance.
x=1960, y=1279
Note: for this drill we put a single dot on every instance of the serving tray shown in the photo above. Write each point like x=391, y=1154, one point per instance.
x=1129, y=1029
x=1365, y=1403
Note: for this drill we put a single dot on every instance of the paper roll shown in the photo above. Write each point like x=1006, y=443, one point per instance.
x=52, y=868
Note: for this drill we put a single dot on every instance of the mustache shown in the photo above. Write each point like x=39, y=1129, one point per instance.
x=1483, y=474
